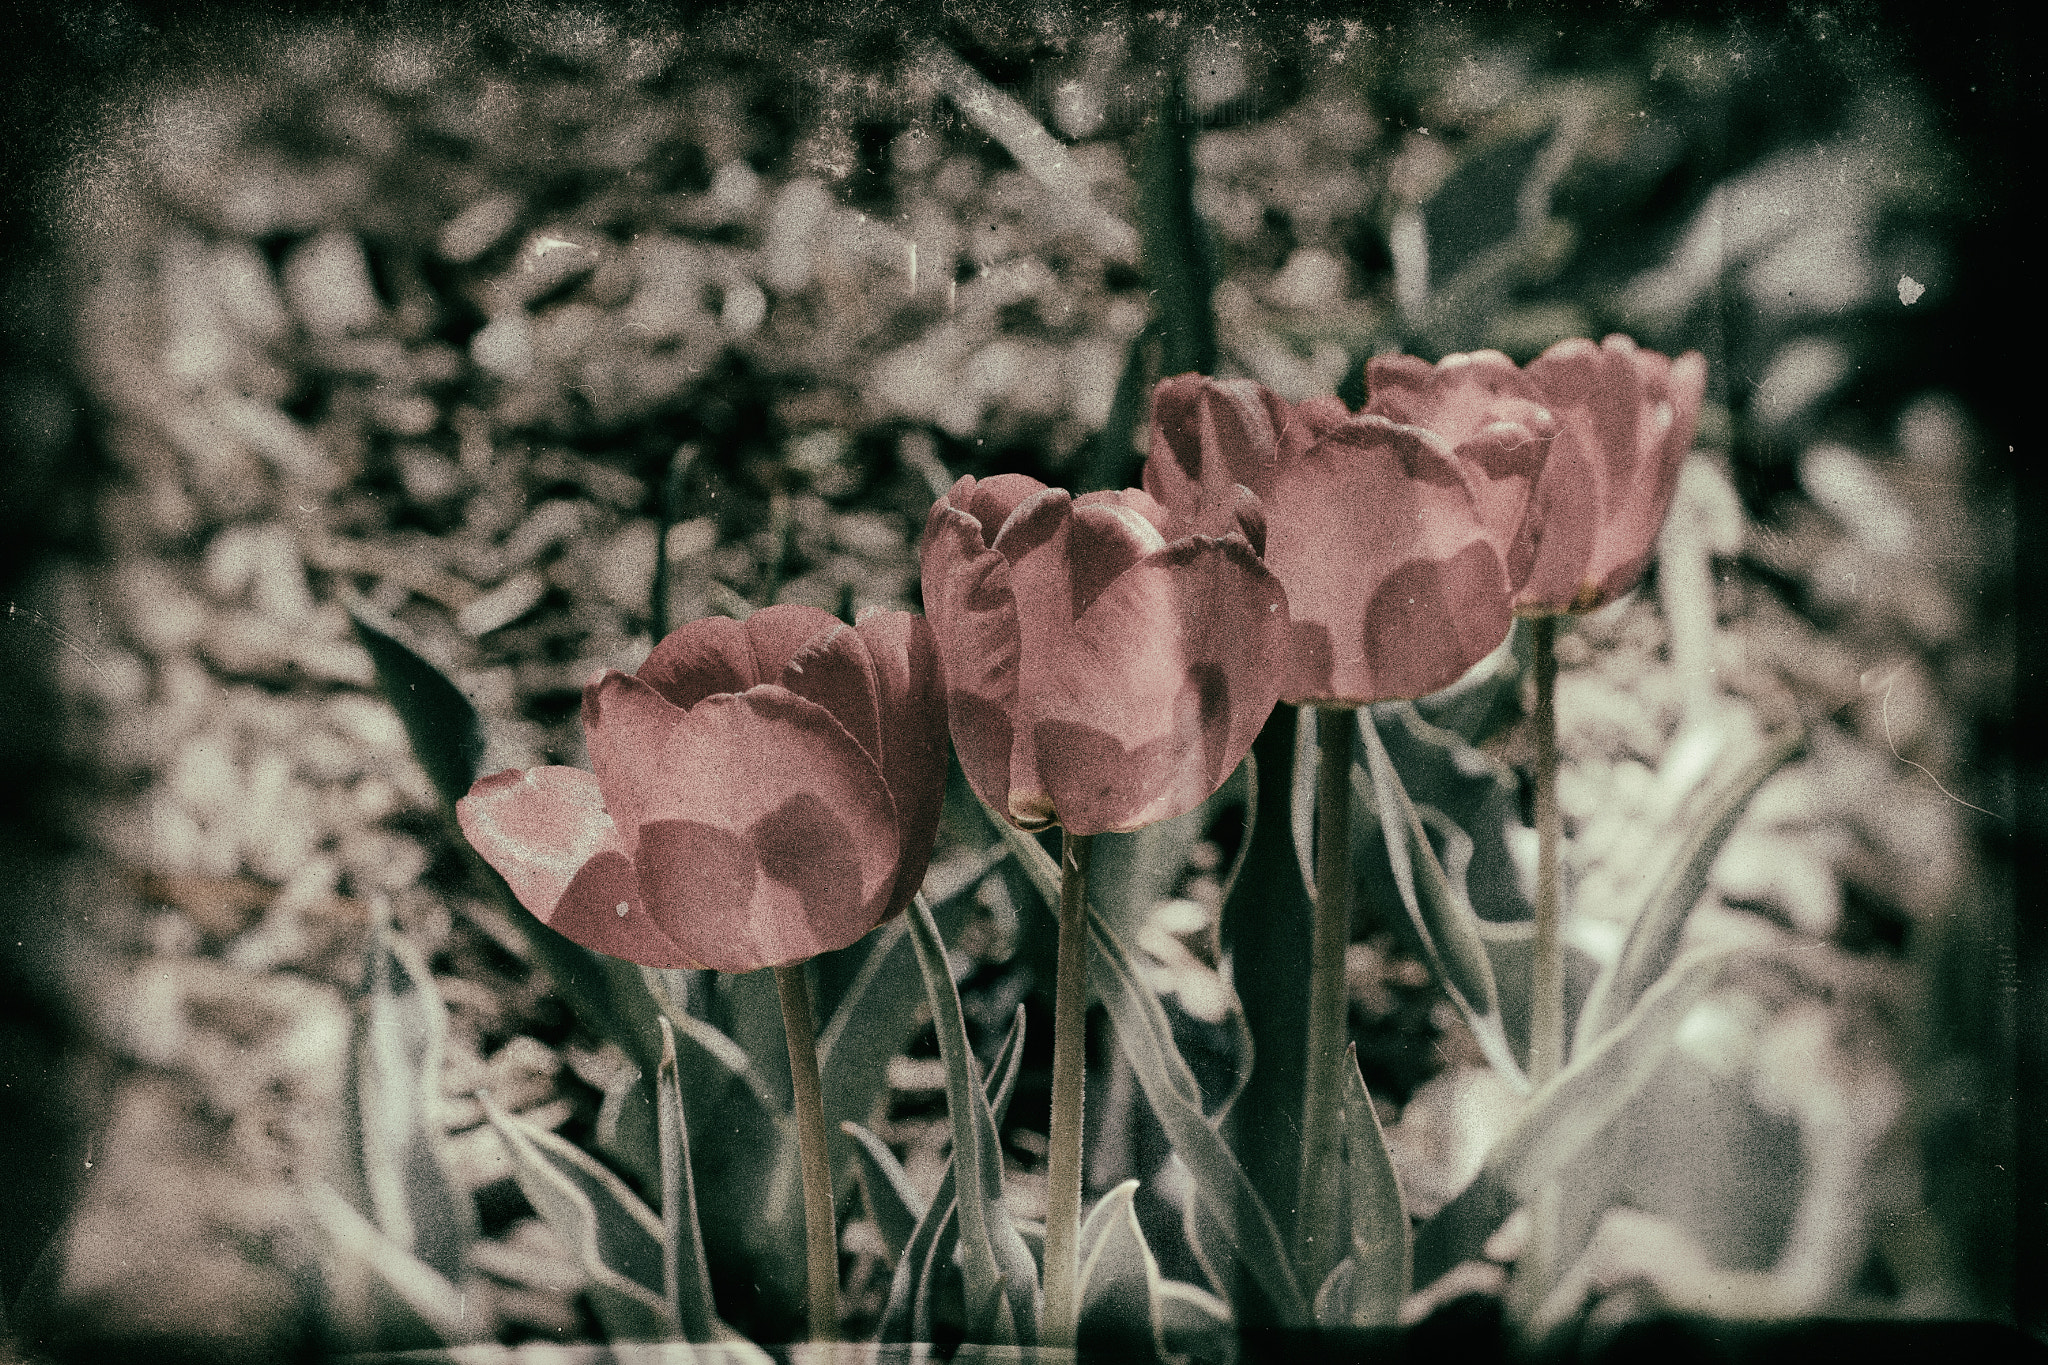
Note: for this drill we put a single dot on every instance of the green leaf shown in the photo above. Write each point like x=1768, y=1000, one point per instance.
x=1195, y=1323
x=436, y=1300
x=615, y=1238
x=876, y=1019
x=1113, y=459
x=1241, y=1220
x=391, y=1101
x=999, y=1287
x=1265, y=933
x=1119, y=1281
x=1659, y=924
x=1486, y=700
x=1575, y=1105
x=1375, y=1274
x=893, y=1204
x=927, y=1256
x=686, y=1275
x=1444, y=920
x=446, y=736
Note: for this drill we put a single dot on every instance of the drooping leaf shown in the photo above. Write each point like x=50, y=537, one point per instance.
x=894, y=1205
x=1380, y=1259
x=615, y=1238
x=907, y=1315
x=999, y=1287
x=686, y=1275
x=391, y=1101
x=1444, y=921
x=1119, y=1282
x=1195, y=1323
x=1659, y=924
x=1241, y=1219
x=431, y=1296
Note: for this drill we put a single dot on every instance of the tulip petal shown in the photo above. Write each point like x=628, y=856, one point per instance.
x=968, y=598
x=779, y=633
x=1205, y=428
x=1148, y=702
x=1432, y=619
x=590, y=914
x=547, y=833
x=990, y=502
x=1458, y=397
x=833, y=669
x=538, y=828
x=701, y=659
x=910, y=685
x=1370, y=501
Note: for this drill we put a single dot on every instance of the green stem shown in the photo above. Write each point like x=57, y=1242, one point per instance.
x=821, y=1236
x=1069, y=1071
x=1322, y=1110
x=1546, y=1010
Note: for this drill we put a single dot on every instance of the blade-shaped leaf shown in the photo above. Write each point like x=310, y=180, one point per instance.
x=894, y=1205
x=447, y=739
x=686, y=1275
x=1487, y=699
x=1265, y=934
x=1381, y=1256
x=875, y=1020
x=999, y=1307
x=615, y=1238
x=1173, y=240
x=1445, y=922
x=1659, y=924
x=1119, y=1280
x=1573, y=1106
x=906, y=1317
x=1146, y=1040
x=1195, y=1323
x=432, y=1296
x=391, y=1101
x=1112, y=460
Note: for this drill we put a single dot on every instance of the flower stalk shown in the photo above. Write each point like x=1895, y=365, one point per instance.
x=1069, y=1062
x=821, y=1234
x=1546, y=1011
x=1316, y=1217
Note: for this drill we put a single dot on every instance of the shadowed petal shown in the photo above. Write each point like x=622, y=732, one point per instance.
x=973, y=614
x=1208, y=434
x=704, y=657
x=833, y=670
x=911, y=687
x=625, y=722
x=991, y=501
x=1156, y=694
x=605, y=912
x=538, y=828
x=779, y=633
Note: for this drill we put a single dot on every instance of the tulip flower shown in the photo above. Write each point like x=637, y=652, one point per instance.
x=1625, y=419
x=1395, y=542
x=1105, y=666
x=765, y=791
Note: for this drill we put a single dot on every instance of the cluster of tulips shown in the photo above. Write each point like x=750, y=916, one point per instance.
x=769, y=789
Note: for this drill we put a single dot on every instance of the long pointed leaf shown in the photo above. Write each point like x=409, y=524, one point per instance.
x=1446, y=923
x=1659, y=924
x=1146, y=1040
x=999, y=1309
x=910, y=1287
x=894, y=1205
x=436, y=1300
x=1195, y=1323
x=1381, y=1256
x=686, y=1275
x=1119, y=1279
x=615, y=1238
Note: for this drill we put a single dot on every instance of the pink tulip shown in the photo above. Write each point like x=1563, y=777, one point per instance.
x=1625, y=420
x=1105, y=666
x=765, y=791
x=1394, y=541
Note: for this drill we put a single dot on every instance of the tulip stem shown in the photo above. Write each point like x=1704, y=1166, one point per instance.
x=1316, y=1211
x=1546, y=1010
x=1069, y=1073
x=821, y=1236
